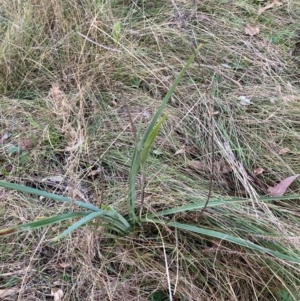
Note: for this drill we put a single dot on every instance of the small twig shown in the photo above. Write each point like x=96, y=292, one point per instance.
x=166, y=264
x=102, y=185
x=143, y=185
x=100, y=45
x=231, y=79
x=184, y=25
x=133, y=129
x=220, y=72
x=143, y=177
x=212, y=135
x=193, y=44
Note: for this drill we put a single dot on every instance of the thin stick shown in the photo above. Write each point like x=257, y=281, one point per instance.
x=229, y=78
x=100, y=45
x=193, y=43
x=133, y=129
x=212, y=147
x=143, y=177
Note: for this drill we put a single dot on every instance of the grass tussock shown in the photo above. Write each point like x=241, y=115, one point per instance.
x=69, y=74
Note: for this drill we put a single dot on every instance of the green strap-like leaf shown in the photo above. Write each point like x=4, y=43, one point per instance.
x=78, y=224
x=214, y=203
x=111, y=216
x=42, y=222
x=144, y=154
x=232, y=239
x=45, y=194
x=135, y=162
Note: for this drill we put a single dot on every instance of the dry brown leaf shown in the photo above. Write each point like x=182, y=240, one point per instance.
x=251, y=30
x=75, y=146
x=55, y=92
x=284, y=151
x=258, y=171
x=270, y=5
x=244, y=101
x=57, y=293
x=180, y=151
x=96, y=172
x=8, y=291
x=26, y=144
x=4, y=137
x=281, y=188
x=65, y=264
x=220, y=167
x=55, y=179
x=197, y=165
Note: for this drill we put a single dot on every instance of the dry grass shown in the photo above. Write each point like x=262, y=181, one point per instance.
x=64, y=103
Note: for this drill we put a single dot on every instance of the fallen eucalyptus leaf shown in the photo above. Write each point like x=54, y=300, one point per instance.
x=157, y=152
x=281, y=188
x=57, y=294
x=180, y=151
x=244, y=101
x=251, y=30
x=258, y=171
x=284, y=151
x=4, y=137
x=8, y=291
x=56, y=179
x=270, y=5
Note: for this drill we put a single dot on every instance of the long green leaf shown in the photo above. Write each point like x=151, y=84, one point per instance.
x=168, y=96
x=139, y=160
x=214, y=203
x=45, y=194
x=135, y=162
x=80, y=223
x=144, y=154
x=232, y=239
x=116, y=219
x=42, y=223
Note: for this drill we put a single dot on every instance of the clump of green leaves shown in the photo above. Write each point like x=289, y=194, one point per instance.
x=116, y=223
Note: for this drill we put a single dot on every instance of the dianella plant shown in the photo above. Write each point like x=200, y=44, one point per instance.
x=122, y=225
